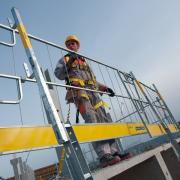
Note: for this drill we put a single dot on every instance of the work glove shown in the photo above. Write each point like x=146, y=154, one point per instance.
x=109, y=90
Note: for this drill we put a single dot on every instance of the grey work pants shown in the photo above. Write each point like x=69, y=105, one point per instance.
x=90, y=115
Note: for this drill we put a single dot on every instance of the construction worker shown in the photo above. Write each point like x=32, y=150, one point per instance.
x=76, y=72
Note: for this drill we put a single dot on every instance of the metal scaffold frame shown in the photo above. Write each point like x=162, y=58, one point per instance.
x=69, y=136
x=75, y=159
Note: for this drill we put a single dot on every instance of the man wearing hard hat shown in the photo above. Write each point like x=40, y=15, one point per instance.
x=75, y=71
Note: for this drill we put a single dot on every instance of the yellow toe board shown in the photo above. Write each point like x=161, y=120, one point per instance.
x=21, y=138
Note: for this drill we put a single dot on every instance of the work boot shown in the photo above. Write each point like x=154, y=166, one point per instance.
x=109, y=160
x=122, y=156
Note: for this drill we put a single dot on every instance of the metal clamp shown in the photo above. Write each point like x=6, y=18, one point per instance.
x=19, y=88
x=128, y=78
x=13, y=43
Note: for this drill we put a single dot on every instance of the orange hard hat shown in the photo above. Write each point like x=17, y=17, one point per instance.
x=72, y=38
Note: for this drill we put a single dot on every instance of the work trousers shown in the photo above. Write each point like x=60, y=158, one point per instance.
x=92, y=115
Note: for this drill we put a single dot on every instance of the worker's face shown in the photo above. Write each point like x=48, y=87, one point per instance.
x=72, y=45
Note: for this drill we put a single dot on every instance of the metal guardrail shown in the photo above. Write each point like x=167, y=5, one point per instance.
x=127, y=77
x=13, y=43
x=67, y=50
x=53, y=45
x=19, y=88
x=140, y=103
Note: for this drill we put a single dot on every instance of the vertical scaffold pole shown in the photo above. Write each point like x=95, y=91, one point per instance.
x=134, y=103
x=175, y=145
x=166, y=117
x=75, y=159
x=167, y=108
x=140, y=104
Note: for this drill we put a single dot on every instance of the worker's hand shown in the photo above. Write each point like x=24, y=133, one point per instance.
x=109, y=90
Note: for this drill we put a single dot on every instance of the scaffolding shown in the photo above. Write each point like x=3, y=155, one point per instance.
x=136, y=109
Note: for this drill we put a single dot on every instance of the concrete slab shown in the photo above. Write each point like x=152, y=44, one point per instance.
x=112, y=171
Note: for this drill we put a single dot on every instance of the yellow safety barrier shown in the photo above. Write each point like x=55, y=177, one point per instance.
x=21, y=138
x=155, y=129
x=17, y=138
x=172, y=128
x=94, y=132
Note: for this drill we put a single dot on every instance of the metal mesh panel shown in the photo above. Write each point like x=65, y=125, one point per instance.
x=31, y=112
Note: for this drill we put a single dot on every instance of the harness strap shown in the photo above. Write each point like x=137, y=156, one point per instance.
x=101, y=103
x=84, y=95
x=77, y=116
x=82, y=82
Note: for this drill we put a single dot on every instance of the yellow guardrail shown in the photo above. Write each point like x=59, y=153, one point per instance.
x=21, y=138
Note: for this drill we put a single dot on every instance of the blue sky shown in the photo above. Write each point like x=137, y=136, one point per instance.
x=139, y=36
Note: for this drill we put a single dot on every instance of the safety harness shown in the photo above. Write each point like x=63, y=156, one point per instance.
x=101, y=103
x=76, y=62
x=82, y=82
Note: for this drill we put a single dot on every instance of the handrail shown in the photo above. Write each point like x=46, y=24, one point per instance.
x=20, y=80
x=56, y=46
x=13, y=43
x=63, y=85
x=65, y=49
x=19, y=88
